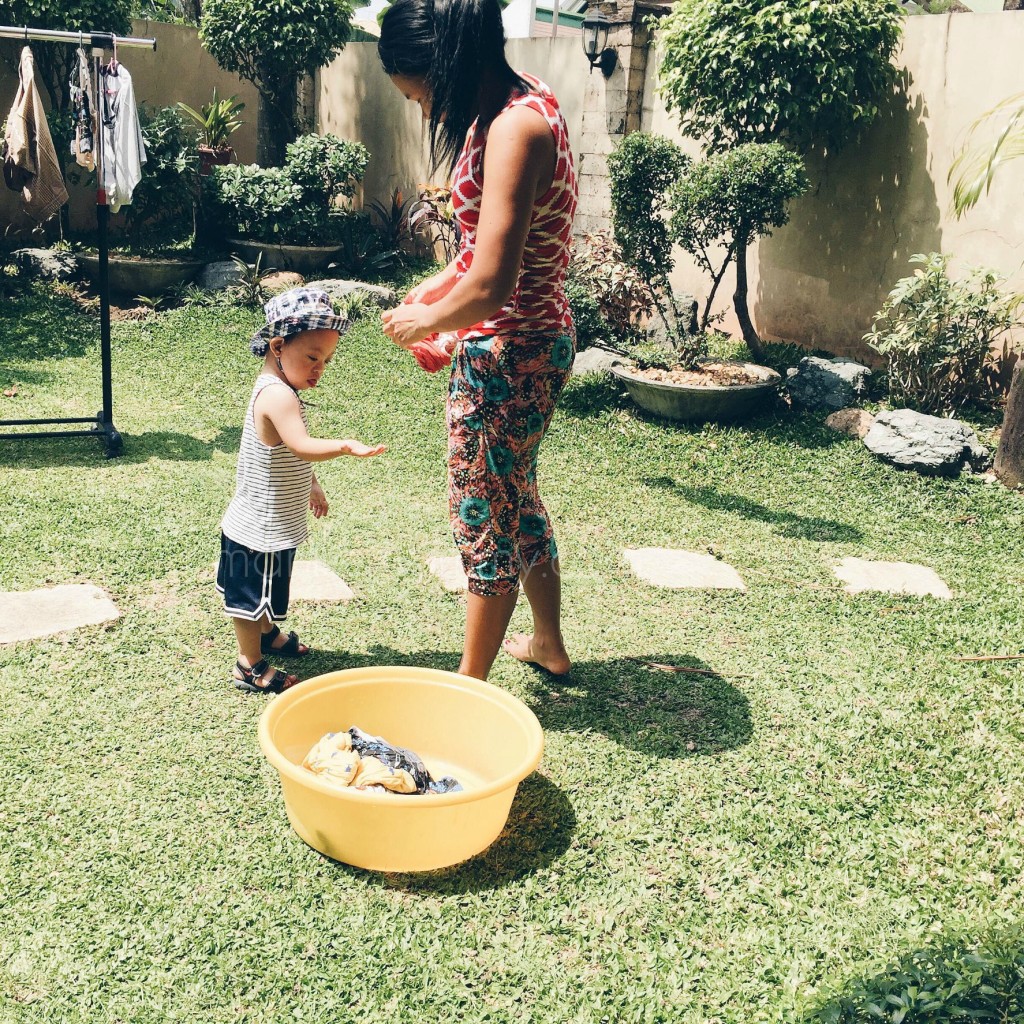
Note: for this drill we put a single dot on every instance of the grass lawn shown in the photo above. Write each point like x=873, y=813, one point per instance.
x=732, y=847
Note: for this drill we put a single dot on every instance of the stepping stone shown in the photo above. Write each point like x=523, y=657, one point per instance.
x=450, y=572
x=314, y=581
x=31, y=614
x=861, y=575
x=678, y=570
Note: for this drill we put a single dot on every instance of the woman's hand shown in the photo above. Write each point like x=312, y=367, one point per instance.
x=430, y=290
x=406, y=324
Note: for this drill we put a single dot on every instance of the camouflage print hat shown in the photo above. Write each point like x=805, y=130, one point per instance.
x=294, y=311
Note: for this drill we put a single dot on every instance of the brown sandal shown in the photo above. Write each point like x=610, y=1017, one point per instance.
x=278, y=682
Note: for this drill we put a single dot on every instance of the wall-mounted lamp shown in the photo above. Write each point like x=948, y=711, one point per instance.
x=595, y=42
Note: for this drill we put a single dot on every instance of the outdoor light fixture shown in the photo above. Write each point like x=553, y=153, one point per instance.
x=595, y=43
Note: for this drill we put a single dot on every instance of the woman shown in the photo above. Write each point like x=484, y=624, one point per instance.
x=501, y=302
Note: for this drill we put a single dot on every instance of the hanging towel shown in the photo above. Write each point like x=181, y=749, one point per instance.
x=30, y=161
x=124, y=152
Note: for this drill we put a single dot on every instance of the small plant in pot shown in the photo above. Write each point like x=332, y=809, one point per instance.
x=294, y=215
x=661, y=198
x=217, y=121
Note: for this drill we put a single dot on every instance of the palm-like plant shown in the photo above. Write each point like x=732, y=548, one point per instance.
x=218, y=120
x=976, y=165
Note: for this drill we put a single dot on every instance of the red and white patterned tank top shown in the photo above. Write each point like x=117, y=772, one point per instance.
x=538, y=304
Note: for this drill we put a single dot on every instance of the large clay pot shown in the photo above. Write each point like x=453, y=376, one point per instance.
x=715, y=403
x=133, y=276
x=303, y=259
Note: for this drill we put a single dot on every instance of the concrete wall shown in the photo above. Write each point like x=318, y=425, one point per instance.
x=872, y=206
x=356, y=100
x=179, y=69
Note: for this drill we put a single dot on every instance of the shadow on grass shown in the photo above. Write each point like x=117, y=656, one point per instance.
x=538, y=831
x=787, y=524
x=657, y=712
x=163, y=445
x=962, y=978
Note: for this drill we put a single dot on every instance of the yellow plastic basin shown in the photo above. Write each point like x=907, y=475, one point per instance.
x=488, y=739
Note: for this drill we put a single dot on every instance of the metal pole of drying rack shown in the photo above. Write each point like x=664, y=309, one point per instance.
x=103, y=422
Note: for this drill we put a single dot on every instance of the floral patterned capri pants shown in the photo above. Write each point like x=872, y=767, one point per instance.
x=503, y=391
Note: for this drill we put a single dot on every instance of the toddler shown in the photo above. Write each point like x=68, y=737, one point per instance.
x=266, y=520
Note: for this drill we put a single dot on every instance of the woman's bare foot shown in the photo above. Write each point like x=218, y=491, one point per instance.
x=524, y=647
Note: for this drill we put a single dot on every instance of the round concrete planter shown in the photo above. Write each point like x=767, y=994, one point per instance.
x=141, y=276
x=301, y=258
x=716, y=403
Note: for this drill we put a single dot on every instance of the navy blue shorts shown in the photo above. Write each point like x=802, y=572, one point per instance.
x=254, y=583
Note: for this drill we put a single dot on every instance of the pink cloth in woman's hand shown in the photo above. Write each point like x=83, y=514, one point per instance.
x=430, y=355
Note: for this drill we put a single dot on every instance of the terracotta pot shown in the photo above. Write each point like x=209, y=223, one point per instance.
x=209, y=158
x=694, y=403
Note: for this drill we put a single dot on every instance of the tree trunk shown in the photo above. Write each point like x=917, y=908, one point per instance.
x=275, y=125
x=739, y=301
x=1009, y=465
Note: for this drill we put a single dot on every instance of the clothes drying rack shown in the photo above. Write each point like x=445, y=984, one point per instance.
x=103, y=423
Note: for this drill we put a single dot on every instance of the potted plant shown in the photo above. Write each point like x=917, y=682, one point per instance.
x=292, y=215
x=154, y=252
x=218, y=120
x=661, y=198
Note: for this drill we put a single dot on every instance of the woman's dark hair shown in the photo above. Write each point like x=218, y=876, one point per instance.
x=449, y=44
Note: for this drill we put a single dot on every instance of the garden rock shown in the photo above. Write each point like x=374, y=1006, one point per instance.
x=855, y=422
x=46, y=264
x=595, y=360
x=827, y=383
x=929, y=444
x=215, y=277
x=281, y=281
x=385, y=297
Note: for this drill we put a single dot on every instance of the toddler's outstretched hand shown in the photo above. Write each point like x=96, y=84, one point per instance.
x=360, y=450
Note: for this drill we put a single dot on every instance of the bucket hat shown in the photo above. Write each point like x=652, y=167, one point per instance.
x=293, y=311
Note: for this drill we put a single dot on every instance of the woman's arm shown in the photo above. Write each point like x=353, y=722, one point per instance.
x=519, y=163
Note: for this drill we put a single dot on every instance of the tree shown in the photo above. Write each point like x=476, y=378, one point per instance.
x=273, y=45
x=800, y=72
x=54, y=60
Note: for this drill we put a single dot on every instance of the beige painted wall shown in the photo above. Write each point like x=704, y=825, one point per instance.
x=820, y=279
x=356, y=100
x=179, y=69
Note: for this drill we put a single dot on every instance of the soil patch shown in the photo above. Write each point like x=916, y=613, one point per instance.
x=709, y=375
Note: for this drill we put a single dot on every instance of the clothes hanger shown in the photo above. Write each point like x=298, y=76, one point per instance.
x=112, y=66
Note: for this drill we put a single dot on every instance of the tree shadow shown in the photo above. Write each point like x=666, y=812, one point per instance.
x=29, y=331
x=62, y=452
x=590, y=396
x=787, y=524
x=963, y=978
x=823, y=276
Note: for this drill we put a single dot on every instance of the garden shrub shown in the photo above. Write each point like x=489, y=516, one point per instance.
x=598, y=268
x=290, y=205
x=937, y=336
x=730, y=199
x=591, y=327
x=162, y=210
x=954, y=983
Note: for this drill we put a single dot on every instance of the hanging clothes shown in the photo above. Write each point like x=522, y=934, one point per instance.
x=30, y=160
x=124, y=151
x=83, y=120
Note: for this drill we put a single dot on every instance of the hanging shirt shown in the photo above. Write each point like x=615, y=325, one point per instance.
x=124, y=152
x=30, y=161
x=83, y=123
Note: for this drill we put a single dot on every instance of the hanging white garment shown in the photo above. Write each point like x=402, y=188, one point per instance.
x=124, y=152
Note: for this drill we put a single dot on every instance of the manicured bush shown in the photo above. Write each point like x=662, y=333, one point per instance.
x=937, y=335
